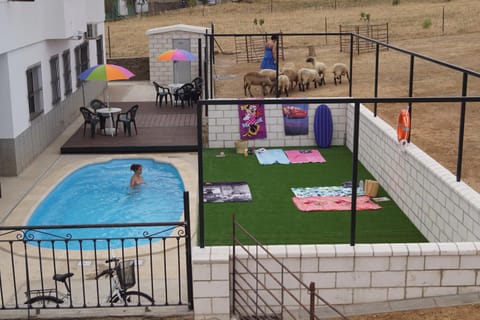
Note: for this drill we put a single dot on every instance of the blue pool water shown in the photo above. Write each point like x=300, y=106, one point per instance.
x=100, y=194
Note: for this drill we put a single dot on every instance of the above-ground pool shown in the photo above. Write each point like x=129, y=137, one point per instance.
x=100, y=194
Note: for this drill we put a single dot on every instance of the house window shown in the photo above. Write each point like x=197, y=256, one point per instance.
x=55, y=79
x=100, y=50
x=35, y=91
x=67, y=72
x=81, y=60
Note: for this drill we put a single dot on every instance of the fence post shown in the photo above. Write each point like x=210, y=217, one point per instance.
x=312, y=300
x=462, y=127
x=341, y=39
x=246, y=49
x=353, y=210
x=188, y=249
x=410, y=92
x=234, y=255
x=326, y=31
x=109, y=44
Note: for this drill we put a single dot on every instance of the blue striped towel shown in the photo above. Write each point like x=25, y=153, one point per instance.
x=270, y=156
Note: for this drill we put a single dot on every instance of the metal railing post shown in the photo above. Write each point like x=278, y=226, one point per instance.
x=356, y=126
x=312, y=300
x=461, y=130
x=188, y=248
x=410, y=92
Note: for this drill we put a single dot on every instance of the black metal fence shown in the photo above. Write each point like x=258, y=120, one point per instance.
x=252, y=298
x=377, y=45
x=48, y=267
x=202, y=105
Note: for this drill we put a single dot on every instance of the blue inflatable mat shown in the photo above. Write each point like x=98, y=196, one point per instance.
x=323, y=126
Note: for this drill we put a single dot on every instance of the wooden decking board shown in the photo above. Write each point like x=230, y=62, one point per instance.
x=165, y=129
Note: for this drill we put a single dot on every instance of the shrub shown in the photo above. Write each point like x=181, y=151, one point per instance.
x=395, y=2
x=427, y=23
x=365, y=16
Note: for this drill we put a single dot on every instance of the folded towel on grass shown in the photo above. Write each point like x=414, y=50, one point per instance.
x=304, y=156
x=333, y=191
x=271, y=156
x=333, y=203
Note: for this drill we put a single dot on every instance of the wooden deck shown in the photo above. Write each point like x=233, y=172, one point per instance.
x=164, y=129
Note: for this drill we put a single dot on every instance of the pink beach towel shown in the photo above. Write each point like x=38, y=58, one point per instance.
x=304, y=156
x=333, y=203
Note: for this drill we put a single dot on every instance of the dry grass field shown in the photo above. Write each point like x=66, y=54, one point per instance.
x=444, y=30
x=452, y=36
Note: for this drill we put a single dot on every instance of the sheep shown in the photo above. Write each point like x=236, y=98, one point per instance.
x=307, y=75
x=270, y=73
x=256, y=79
x=283, y=84
x=319, y=66
x=339, y=70
x=292, y=76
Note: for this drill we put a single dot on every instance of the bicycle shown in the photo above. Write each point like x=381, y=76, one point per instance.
x=122, y=278
x=44, y=296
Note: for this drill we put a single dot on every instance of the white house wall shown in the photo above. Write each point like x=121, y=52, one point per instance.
x=6, y=120
x=33, y=32
x=24, y=23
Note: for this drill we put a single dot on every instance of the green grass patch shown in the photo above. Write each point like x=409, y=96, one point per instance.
x=273, y=218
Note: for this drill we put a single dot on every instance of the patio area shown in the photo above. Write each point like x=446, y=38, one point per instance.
x=160, y=129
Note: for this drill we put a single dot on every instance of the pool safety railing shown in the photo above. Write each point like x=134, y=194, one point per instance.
x=48, y=268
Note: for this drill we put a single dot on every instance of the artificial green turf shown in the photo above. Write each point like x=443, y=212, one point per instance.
x=273, y=218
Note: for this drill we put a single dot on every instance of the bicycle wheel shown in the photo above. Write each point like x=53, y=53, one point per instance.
x=40, y=301
x=137, y=298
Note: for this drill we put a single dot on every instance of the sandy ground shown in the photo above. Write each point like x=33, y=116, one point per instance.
x=434, y=126
x=452, y=37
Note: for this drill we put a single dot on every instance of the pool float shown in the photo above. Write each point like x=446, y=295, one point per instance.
x=323, y=126
x=403, y=127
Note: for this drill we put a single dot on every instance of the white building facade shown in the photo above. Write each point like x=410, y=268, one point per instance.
x=44, y=46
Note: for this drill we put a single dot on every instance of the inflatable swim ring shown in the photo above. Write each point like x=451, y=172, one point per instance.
x=403, y=126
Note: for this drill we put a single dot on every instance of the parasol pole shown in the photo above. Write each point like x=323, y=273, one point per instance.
x=83, y=93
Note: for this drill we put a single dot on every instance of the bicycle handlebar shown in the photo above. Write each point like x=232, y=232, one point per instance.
x=108, y=272
x=114, y=259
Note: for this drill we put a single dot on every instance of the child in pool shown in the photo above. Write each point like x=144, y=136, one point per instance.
x=137, y=175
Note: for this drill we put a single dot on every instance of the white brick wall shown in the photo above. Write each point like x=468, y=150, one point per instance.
x=223, y=127
x=441, y=208
x=348, y=277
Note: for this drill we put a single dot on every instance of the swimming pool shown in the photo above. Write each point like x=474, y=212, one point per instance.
x=100, y=194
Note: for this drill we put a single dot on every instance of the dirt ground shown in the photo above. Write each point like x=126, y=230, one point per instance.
x=453, y=37
x=435, y=127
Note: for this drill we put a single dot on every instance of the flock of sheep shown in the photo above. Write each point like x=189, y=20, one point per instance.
x=290, y=77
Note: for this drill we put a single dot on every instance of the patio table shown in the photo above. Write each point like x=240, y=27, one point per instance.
x=110, y=130
x=174, y=86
